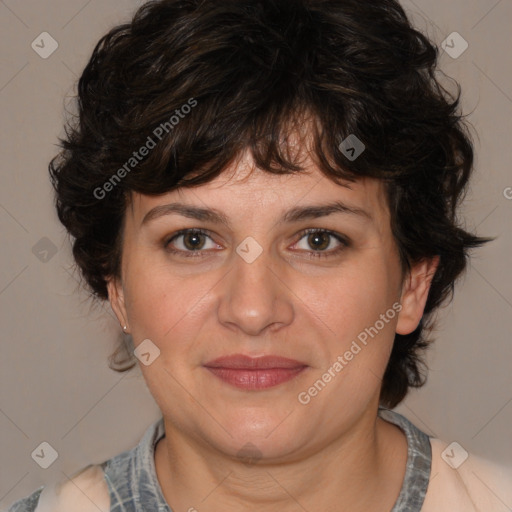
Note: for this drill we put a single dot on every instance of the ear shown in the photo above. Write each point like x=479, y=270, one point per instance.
x=414, y=295
x=116, y=299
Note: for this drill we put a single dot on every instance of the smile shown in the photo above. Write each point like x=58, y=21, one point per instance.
x=256, y=379
x=250, y=373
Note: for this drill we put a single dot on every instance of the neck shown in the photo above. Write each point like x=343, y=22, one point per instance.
x=361, y=470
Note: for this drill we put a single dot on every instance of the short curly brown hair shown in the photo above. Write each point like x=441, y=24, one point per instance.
x=250, y=69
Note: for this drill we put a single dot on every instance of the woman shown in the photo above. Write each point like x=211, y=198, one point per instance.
x=266, y=193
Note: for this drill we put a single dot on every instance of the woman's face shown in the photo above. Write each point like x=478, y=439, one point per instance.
x=256, y=284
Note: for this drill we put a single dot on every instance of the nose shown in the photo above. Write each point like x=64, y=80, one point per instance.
x=254, y=296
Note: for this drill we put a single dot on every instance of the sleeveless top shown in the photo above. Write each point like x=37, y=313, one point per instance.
x=134, y=487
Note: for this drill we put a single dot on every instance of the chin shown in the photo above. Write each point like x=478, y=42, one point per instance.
x=264, y=436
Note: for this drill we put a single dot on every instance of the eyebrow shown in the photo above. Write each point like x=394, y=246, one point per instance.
x=294, y=215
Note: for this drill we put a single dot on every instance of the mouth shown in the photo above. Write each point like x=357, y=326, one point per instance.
x=253, y=373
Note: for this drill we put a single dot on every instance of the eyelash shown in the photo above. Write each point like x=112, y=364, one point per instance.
x=313, y=254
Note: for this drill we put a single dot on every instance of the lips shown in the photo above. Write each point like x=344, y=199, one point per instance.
x=240, y=361
x=254, y=373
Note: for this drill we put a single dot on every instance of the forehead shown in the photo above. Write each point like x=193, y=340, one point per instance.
x=244, y=191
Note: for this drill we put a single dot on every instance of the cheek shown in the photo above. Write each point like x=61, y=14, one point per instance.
x=355, y=306
x=165, y=306
x=353, y=297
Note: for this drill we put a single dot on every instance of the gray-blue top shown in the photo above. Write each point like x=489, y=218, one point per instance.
x=134, y=487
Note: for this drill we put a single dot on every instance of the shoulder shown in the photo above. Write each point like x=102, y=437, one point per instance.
x=86, y=491
x=26, y=504
x=464, y=482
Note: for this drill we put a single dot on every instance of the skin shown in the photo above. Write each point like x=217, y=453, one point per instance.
x=332, y=454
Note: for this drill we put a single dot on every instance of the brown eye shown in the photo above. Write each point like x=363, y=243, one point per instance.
x=193, y=240
x=190, y=243
x=319, y=240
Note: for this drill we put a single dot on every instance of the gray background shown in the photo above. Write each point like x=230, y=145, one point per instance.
x=55, y=385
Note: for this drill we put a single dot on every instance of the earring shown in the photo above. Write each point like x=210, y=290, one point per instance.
x=124, y=328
